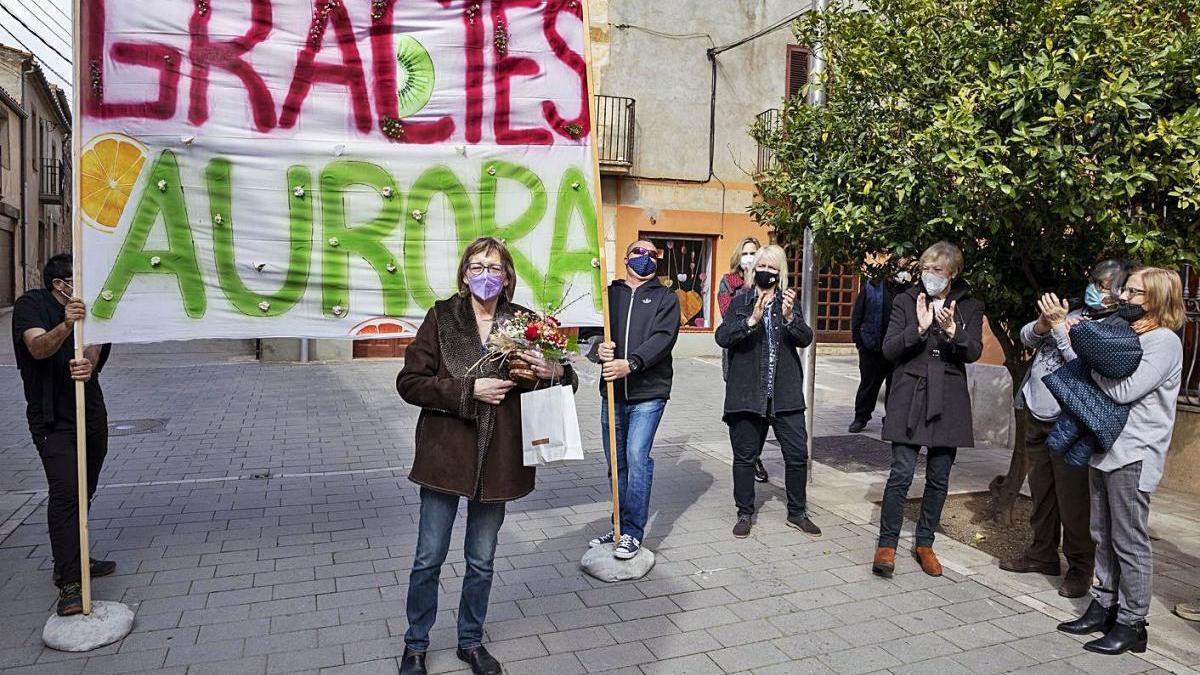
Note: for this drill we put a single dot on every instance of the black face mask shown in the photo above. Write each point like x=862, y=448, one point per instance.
x=1130, y=313
x=764, y=279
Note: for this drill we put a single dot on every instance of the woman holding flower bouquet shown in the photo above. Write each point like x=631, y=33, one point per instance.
x=468, y=441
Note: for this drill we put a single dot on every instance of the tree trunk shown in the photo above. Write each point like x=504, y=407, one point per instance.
x=1005, y=489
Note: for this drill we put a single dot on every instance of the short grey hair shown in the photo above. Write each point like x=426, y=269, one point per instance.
x=1111, y=270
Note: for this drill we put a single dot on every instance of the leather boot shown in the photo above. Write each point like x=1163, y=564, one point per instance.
x=1121, y=638
x=929, y=561
x=885, y=562
x=1097, y=618
x=412, y=663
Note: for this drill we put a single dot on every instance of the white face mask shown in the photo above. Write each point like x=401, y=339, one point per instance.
x=935, y=284
x=747, y=260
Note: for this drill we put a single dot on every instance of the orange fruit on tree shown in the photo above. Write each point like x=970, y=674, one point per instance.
x=109, y=168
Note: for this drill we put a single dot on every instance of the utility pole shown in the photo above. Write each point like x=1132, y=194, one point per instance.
x=809, y=278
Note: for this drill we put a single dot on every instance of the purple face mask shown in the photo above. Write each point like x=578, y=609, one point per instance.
x=486, y=286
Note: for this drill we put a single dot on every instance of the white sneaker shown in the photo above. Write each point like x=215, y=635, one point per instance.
x=602, y=541
x=627, y=548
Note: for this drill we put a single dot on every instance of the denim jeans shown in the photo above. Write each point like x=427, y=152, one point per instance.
x=637, y=422
x=747, y=434
x=438, y=511
x=937, y=484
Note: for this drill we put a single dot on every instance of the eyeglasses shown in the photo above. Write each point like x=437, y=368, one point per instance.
x=641, y=250
x=1132, y=292
x=476, y=269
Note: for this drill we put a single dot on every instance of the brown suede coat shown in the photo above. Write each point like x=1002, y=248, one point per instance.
x=464, y=447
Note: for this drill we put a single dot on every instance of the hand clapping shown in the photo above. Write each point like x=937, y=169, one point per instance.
x=945, y=319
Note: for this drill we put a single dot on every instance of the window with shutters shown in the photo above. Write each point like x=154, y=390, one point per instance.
x=797, y=70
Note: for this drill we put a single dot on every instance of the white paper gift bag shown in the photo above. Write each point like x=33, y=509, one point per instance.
x=550, y=427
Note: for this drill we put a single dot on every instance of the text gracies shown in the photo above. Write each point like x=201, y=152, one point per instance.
x=348, y=46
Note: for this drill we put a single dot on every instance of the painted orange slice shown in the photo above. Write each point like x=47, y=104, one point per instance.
x=109, y=168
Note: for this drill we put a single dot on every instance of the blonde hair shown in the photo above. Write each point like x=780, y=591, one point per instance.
x=772, y=255
x=946, y=253
x=735, y=262
x=1163, y=299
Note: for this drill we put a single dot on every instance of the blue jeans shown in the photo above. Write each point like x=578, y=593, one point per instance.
x=637, y=422
x=937, y=485
x=438, y=511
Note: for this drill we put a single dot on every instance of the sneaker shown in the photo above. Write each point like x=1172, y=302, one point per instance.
x=70, y=599
x=760, y=472
x=857, y=426
x=99, y=568
x=627, y=548
x=604, y=540
x=742, y=529
x=804, y=524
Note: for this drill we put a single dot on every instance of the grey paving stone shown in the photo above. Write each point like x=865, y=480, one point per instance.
x=578, y=639
x=250, y=665
x=566, y=664
x=744, y=632
x=920, y=647
x=859, y=660
x=975, y=635
x=310, y=659
x=682, y=644
x=642, y=629
x=613, y=657
x=747, y=657
x=703, y=618
x=994, y=659
x=696, y=664
x=943, y=665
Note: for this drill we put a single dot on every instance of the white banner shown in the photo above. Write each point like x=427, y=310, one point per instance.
x=297, y=168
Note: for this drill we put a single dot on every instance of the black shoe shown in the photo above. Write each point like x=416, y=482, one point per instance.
x=1024, y=565
x=760, y=472
x=412, y=663
x=857, y=426
x=482, y=663
x=70, y=599
x=1120, y=639
x=1075, y=584
x=803, y=524
x=1097, y=618
x=99, y=568
x=741, y=530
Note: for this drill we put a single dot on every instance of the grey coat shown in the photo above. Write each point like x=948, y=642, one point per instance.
x=930, y=404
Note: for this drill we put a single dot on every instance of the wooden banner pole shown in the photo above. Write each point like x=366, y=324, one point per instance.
x=603, y=258
x=81, y=468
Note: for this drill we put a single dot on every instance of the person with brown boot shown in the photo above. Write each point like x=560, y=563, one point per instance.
x=1061, y=501
x=936, y=329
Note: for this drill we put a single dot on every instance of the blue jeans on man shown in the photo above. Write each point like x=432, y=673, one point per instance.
x=438, y=511
x=637, y=422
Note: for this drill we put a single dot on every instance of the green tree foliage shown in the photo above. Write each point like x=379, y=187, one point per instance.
x=1039, y=135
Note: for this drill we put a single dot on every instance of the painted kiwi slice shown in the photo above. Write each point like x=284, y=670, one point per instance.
x=415, y=79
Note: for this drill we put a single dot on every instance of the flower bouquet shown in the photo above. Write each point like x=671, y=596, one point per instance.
x=525, y=332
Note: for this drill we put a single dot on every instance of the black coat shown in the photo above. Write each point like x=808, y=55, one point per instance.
x=930, y=403
x=749, y=353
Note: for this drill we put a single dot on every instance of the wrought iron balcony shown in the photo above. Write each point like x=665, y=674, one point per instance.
x=615, y=133
x=52, y=181
x=768, y=120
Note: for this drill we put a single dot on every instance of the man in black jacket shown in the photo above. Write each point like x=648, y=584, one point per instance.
x=868, y=327
x=42, y=323
x=644, y=317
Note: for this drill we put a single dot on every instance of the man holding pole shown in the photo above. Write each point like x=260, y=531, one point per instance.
x=644, y=317
x=43, y=323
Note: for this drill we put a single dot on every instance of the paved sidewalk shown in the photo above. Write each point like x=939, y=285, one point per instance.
x=269, y=528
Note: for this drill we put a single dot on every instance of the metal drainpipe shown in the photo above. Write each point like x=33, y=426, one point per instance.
x=24, y=175
x=304, y=350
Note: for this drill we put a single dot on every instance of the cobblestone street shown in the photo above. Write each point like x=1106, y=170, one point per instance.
x=267, y=526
